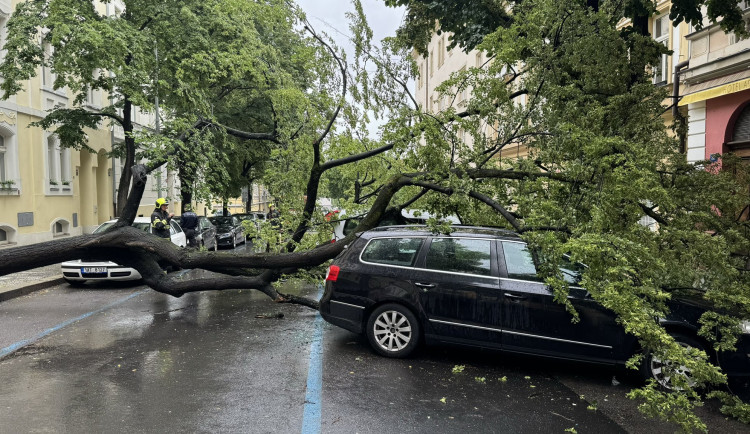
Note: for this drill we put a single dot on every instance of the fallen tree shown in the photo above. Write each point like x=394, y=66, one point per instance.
x=563, y=85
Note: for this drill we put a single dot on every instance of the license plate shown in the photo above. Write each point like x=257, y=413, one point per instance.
x=92, y=270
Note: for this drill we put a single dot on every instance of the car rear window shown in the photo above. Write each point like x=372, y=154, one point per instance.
x=520, y=264
x=460, y=255
x=392, y=251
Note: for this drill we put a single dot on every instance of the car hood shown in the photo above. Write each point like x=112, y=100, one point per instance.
x=93, y=263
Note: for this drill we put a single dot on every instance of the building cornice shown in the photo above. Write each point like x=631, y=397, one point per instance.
x=720, y=67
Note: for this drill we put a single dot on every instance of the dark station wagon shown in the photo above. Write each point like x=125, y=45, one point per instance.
x=402, y=285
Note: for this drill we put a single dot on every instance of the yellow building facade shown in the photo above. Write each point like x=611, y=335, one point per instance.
x=47, y=191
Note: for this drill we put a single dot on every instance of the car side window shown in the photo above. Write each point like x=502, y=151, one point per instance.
x=392, y=251
x=350, y=225
x=519, y=262
x=175, y=228
x=571, y=271
x=462, y=255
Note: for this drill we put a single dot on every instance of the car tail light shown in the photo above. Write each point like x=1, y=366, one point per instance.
x=333, y=273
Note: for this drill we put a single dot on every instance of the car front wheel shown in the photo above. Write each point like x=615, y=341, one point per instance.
x=393, y=330
x=662, y=371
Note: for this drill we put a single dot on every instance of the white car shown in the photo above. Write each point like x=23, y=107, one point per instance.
x=79, y=271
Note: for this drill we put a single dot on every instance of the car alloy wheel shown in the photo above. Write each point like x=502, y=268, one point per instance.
x=663, y=370
x=393, y=330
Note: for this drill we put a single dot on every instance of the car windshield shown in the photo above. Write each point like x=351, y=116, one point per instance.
x=142, y=226
x=221, y=221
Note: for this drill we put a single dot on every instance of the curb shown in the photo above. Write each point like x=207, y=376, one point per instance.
x=19, y=291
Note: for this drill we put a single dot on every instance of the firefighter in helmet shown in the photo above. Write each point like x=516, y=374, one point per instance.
x=160, y=218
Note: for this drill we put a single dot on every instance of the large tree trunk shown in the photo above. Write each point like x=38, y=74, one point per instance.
x=124, y=185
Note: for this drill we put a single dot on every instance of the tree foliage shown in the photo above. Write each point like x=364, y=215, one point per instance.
x=592, y=118
x=469, y=21
x=252, y=85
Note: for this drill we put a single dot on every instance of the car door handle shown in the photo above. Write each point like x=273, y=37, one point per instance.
x=424, y=286
x=515, y=297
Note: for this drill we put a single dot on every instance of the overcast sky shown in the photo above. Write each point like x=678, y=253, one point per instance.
x=328, y=16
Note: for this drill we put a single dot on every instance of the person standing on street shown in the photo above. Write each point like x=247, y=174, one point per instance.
x=189, y=223
x=160, y=219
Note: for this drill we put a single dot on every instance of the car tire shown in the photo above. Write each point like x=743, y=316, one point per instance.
x=653, y=368
x=393, y=330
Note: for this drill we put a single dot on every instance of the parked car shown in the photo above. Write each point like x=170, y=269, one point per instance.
x=255, y=217
x=79, y=271
x=206, y=234
x=478, y=286
x=229, y=231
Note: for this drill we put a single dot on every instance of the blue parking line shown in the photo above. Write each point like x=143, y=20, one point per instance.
x=20, y=344
x=313, y=395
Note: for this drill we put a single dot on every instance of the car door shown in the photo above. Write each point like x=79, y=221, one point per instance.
x=455, y=278
x=176, y=234
x=208, y=231
x=533, y=322
x=239, y=233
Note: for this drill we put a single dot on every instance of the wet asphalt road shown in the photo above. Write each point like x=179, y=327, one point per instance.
x=226, y=362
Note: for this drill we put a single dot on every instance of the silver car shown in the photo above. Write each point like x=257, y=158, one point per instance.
x=79, y=271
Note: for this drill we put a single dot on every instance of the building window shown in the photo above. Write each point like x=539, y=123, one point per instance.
x=661, y=35
x=58, y=165
x=3, y=34
x=441, y=51
x=7, y=235
x=8, y=159
x=3, y=167
x=52, y=164
x=740, y=141
x=60, y=227
x=432, y=63
x=463, y=91
x=420, y=75
x=48, y=78
x=479, y=59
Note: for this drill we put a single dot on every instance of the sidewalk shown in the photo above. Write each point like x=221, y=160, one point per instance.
x=19, y=284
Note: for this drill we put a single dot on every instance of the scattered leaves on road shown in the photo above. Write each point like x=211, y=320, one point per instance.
x=458, y=369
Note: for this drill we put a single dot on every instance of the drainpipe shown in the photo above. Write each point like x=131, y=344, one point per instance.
x=676, y=84
x=676, y=95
